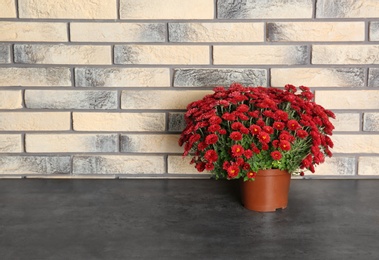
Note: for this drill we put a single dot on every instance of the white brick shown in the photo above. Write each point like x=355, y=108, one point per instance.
x=346, y=122
x=168, y=99
x=10, y=143
x=68, y=9
x=180, y=165
x=368, y=165
x=119, y=121
x=7, y=9
x=345, y=54
x=10, y=99
x=168, y=9
x=361, y=144
x=118, y=32
x=318, y=77
x=33, y=32
x=347, y=9
x=35, y=77
x=216, y=32
x=34, y=121
x=62, y=54
x=349, y=99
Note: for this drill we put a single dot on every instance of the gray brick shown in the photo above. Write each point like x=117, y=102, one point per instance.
x=252, y=9
x=176, y=122
x=371, y=122
x=373, y=78
x=122, y=77
x=155, y=143
x=216, y=77
x=71, y=99
x=5, y=53
x=374, y=31
x=35, y=165
x=118, y=164
x=347, y=9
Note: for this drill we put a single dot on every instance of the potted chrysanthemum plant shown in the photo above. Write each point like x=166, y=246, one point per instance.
x=258, y=135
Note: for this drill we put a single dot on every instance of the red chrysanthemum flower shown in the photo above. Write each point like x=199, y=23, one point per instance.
x=236, y=126
x=222, y=132
x=240, y=161
x=215, y=120
x=301, y=133
x=226, y=165
x=237, y=150
x=200, y=166
x=233, y=171
x=268, y=129
x=264, y=137
x=248, y=153
x=255, y=129
x=211, y=156
x=276, y=155
x=214, y=128
x=236, y=136
x=279, y=125
x=211, y=139
x=209, y=166
x=284, y=145
x=244, y=130
x=251, y=175
x=243, y=108
x=201, y=146
x=293, y=125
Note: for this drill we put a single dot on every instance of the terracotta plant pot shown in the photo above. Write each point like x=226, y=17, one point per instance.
x=268, y=192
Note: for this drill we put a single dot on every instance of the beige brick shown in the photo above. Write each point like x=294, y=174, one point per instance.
x=35, y=77
x=347, y=9
x=119, y=121
x=273, y=9
x=71, y=99
x=118, y=164
x=35, y=165
x=356, y=143
x=34, y=121
x=252, y=55
x=349, y=99
x=371, y=122
x=374, y=31
x=74, y=143
x=10, y=99
x=159, y=54
x=345, y=54
x=216, y=32
x=318, y=77
x=118, y=32
x=346, y=122
x=168, y=99
x=368, y=165
x=10, y=143
x=122, y=77
x=168, y=9
x=68, y=9
x=8, y=9
x=315, y=31
x=335, y=166
x=155, y=143
x=180, y=165
x=33, y=32
x=62, y=54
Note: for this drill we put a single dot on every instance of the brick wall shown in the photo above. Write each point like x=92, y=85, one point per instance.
x=98, y=88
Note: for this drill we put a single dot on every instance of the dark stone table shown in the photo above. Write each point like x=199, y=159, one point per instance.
x=184, y=219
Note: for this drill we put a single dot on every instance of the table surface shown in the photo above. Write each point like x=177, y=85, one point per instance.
x=185, y=219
